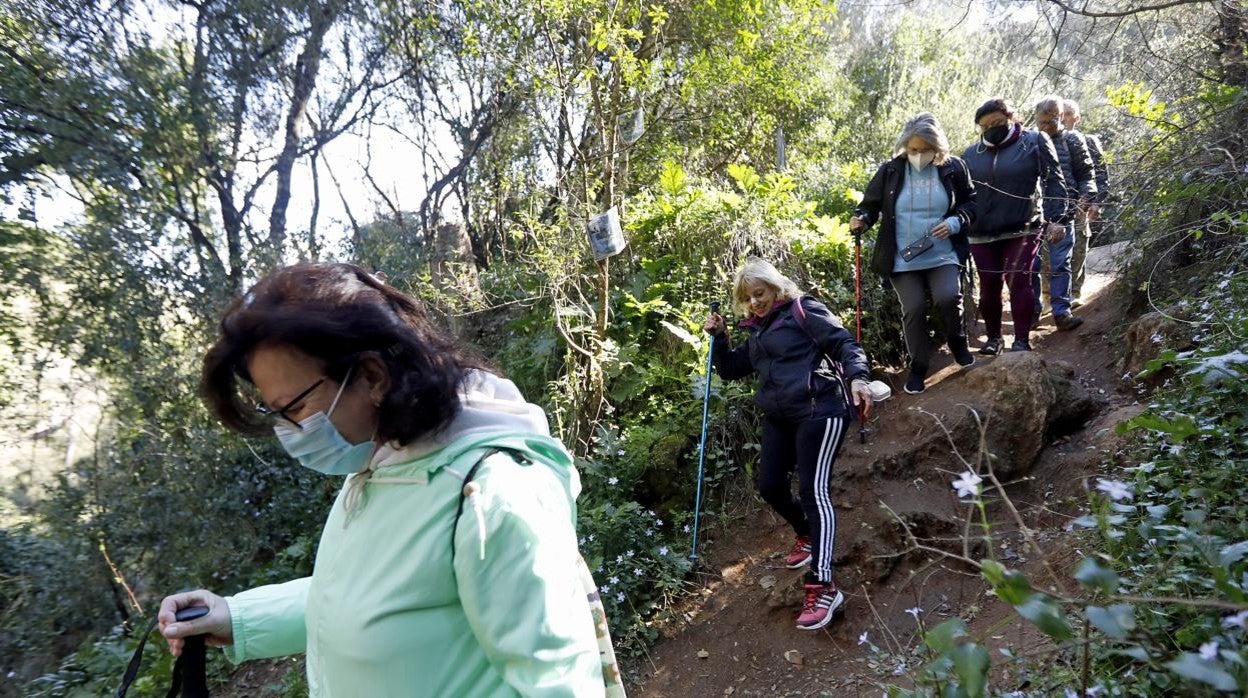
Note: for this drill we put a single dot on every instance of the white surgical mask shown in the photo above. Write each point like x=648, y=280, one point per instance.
x=920, y=160
x=317, y=444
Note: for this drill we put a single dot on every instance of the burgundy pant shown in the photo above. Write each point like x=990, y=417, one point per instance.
x=1006, y=262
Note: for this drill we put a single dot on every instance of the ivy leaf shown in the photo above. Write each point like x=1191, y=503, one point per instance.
x=1093, y=576
x=1045, y=614
x=1011, y=586
x=1191, y=666
x=1180, y=428
x=970, y=664
x=1116, y=621
x=943, y=638
x=1233, y=553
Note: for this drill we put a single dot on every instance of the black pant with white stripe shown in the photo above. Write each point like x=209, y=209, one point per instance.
x=810, y=447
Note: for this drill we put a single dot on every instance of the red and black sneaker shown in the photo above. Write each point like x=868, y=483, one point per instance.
x=800, y=555
x=822, y=600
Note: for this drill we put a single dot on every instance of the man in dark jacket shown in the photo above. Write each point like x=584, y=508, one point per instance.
x=1080, y=179
x=1089, y=216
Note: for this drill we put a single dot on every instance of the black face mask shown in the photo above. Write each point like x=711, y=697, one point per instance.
x=996, y=134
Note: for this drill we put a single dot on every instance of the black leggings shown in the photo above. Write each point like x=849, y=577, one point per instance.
x=811, y=447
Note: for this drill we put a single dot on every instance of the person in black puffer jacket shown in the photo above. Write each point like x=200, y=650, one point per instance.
x=1052, y=266
x=922, y=194
x=809, y=370
x=1021, y=196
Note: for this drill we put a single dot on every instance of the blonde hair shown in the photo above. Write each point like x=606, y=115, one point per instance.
x=759, y=271
x=928, y=129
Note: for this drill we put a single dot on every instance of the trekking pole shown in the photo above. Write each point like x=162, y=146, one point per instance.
x=863, y=432
x=858, y=281
x=706, y=405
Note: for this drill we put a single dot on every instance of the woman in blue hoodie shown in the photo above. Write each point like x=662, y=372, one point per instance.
x=448, y=565
x=1022, y=196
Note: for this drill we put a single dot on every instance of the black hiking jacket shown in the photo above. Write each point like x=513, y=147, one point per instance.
x=1097, y=152
x=795, y=382
x=1077, y=167
x=879, y=202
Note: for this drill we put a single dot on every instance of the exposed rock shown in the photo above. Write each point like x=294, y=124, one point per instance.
x=1024, y=400
x=1151, y=334
x=787, y=593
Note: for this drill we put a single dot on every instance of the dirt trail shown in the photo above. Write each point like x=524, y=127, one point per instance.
x=733, y=638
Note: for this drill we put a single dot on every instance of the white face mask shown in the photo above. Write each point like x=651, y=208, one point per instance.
x=920, y=160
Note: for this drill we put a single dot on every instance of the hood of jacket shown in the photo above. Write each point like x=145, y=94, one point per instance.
x=493, y=415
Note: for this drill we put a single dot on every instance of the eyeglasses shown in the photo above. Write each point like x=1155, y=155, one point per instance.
x=264, y=409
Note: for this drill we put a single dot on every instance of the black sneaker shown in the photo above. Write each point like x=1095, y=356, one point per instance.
x=1067, y=321
x=914, y=384
x=1021, y=345
x=992, y=347
x=957, y=347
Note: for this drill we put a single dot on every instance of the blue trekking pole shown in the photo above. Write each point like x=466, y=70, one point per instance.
x=706, y=404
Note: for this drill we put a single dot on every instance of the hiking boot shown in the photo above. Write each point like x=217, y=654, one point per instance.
x=1021, y=345
x=800, y=555
x=992, y=347
x=822, y=600
x=1067, y=321
x=957, y=347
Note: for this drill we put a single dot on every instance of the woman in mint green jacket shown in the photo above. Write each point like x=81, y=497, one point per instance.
x=448, y=565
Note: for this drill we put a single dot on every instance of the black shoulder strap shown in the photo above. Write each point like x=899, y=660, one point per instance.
x=189, y=671
x=472, y=472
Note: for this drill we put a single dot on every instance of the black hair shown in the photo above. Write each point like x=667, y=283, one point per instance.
x=994, y=104
x=339, y=313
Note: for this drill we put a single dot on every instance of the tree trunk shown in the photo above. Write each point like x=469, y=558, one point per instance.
x=306, y=68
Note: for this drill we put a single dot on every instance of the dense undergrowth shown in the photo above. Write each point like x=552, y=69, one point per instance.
x=165, y=500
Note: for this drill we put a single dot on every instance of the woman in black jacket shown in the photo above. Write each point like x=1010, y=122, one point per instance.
x=1022, y=196
x=925, y=203
x=808, y=368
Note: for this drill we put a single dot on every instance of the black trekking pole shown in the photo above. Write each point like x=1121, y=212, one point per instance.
x=706, y=404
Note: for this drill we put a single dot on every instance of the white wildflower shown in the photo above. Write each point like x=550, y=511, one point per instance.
x=1239, y=620
x=968, y=484
x=620, y=597
x=637, y=572
x=1114, y=489
x=1209, y=651
x=663, y=551
x=614, y=579
x=613, y=480
x=914, y=612
x=862, y=639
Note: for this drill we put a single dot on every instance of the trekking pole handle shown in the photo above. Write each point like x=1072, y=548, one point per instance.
x=191, y=613
x=714, y=306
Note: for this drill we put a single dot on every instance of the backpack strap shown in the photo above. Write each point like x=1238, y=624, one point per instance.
x=470, y=488
x=613, y=682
